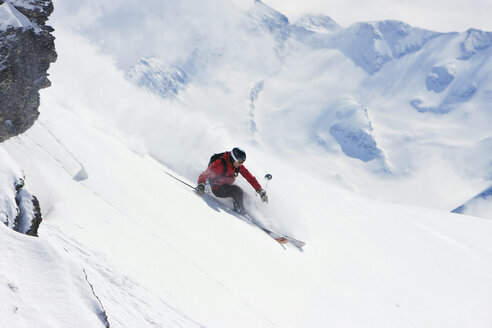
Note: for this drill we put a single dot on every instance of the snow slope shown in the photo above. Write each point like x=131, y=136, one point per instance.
x=365, y=262
x=155, y=254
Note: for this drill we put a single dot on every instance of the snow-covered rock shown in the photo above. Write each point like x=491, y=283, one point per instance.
x=10, y=17
x=459, y=94
x=440, y=77
x=348, y=123
x=19, y=209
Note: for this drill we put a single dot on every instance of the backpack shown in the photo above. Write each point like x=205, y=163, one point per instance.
x=221, y=157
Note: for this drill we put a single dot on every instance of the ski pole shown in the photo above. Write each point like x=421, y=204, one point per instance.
x=172, y=176
x=268, y=177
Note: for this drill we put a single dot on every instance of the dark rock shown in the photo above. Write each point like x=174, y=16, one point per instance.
x=28, y=218
x=36, y=220
x=25, y=56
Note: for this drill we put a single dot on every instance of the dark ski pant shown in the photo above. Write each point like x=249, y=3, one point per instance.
x=226, y=191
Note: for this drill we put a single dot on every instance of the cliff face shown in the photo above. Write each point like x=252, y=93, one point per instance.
x=26, y=50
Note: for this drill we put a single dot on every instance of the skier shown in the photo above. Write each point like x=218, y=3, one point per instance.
x=220, y=175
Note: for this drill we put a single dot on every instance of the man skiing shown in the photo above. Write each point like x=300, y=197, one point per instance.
x=221, y=174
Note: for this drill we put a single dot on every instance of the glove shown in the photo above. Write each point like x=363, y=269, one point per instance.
x=263, y=195
x=200, y=189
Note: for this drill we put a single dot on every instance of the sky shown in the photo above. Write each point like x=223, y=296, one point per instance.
x=437, y=15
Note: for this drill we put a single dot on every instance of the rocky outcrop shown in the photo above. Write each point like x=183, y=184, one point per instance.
x=347, y=122
x=26, y=50
x=29, y=215
x=19, y=209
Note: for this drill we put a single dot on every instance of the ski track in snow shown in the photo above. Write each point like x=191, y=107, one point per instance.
x=448, y=239
x=126, y=286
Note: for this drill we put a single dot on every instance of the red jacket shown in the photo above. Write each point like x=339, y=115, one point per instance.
x=216, y=179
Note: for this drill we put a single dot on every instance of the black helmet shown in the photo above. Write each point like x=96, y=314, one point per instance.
x=238, y=154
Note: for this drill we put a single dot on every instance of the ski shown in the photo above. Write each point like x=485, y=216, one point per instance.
x=280, y=238
x=252, y=221
x=248, y=218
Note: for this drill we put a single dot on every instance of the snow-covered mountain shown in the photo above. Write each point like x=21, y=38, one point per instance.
x=149, y=73
x=341, y=117
x=317, y=23
x=400, y=99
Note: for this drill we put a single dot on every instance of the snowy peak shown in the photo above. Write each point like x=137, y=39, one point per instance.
x=268, y=14
x=477, y=205
x=474, y=41
x=318, y=24
x=270, y=20
x=403, y=39
x=371, y=45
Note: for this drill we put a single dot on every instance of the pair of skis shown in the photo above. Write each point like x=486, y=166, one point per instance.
x=280, y=238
